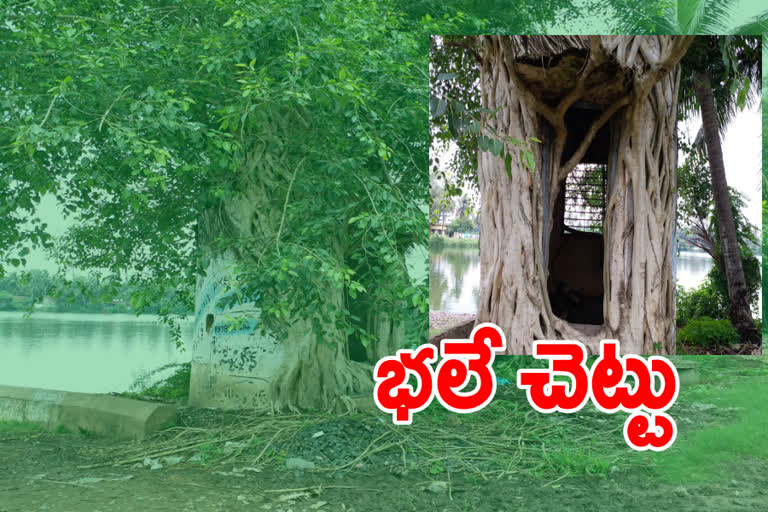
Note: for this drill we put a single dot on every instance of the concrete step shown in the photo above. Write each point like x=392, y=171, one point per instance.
x=113, y=416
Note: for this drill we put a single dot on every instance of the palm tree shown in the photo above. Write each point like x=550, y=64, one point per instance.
x=717, y=84
x=687, y=17
x=721, y=74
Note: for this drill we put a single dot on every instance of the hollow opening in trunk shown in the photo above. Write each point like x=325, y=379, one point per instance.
x=577, y=239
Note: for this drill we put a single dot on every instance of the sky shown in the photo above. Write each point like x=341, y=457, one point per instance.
x=742, y=155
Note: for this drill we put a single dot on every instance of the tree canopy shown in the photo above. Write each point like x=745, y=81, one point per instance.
x=143, y=118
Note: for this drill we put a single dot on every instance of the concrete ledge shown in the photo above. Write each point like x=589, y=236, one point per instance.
x=457, y=332
x=102, y=414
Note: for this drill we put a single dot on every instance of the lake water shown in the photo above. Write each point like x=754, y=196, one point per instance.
x=454, y=277
x=97, y=353
x=83, y=352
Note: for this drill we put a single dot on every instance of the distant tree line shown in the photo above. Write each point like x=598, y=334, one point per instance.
x=41, y=290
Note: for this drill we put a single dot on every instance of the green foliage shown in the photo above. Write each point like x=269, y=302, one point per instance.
x=765, y=246
x=84, y=294
x=9, y=302
x=733, y=65
x=708, y=332
x=460, y=225
x=710, y=299
x=174, y=388
x=686, y=17
x=698, y=220
x=437, y=243
x=704, y=301
x=14, y=427
x=695, y=203
x=751, y=267
x=696, y=209
x=146, y=119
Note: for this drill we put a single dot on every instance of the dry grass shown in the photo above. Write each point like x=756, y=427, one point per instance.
x=506, y=438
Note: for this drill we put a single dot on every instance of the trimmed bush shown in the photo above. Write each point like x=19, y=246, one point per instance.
x=707, y=332
x=700, y=302
x=436, y=242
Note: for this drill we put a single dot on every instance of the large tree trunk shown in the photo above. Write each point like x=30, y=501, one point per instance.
x=632, y=81
x=235, y=365
x=738, y=294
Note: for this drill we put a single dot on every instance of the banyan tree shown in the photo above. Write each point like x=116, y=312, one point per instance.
x=576, y=174
x=260, y=164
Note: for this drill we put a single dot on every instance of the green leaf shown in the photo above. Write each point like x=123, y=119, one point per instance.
x=508, y=165
x=453, y=126
x=530, y=162
x=741, y=99
x=496, y=111
x=497, y=148
x=441, y=107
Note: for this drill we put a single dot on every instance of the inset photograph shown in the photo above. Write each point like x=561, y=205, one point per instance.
x=597, y=187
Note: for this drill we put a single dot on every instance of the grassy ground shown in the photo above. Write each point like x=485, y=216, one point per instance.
x=505, y=457
x=15, y=427
x=719, y=420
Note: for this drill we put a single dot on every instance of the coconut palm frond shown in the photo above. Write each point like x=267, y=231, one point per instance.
x=730, y=78
x=681, y=17
x=704, y=16
x=757, y=26
x=644, y=18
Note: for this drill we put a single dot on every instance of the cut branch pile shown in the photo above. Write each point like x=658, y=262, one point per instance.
x=504, y=439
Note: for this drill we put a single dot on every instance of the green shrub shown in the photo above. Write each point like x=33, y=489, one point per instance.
x=707, y=332
x=436, y=242
x=462, y=242
x=751, y=268
x=700, y=302
x=174, y=388
x=460, y=225
x=441, y=242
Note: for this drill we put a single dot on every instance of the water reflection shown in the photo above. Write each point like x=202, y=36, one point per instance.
x=454, y=280
x=692, y=268
x=454, y=277
x=82, y=352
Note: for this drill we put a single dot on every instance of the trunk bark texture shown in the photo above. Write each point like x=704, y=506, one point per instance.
x=243, y=368
x=632, y=82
